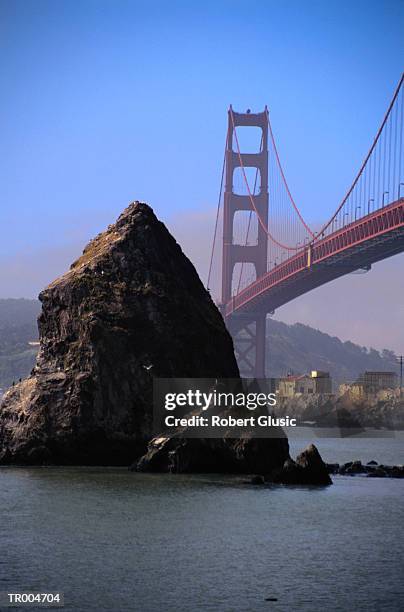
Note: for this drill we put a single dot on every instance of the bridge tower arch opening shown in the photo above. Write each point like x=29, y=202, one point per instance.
x=248, y=331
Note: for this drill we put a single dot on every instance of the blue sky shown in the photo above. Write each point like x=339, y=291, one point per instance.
x=107, y=101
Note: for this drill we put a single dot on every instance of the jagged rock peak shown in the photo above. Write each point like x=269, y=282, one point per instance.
x=135, y=214
x=130, y=308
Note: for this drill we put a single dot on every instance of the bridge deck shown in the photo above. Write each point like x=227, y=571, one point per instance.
x=370, y=239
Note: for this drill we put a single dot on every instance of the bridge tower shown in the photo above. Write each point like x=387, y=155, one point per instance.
x=248, y=331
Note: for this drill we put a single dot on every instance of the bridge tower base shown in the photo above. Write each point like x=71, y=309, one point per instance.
x=249, y=337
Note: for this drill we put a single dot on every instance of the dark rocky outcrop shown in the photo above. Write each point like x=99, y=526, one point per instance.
x=247, y=455
x=308, y=468
x=131, y=301
x=257, y=480
x=312, y=464
x=267, y=459
x=372, y=469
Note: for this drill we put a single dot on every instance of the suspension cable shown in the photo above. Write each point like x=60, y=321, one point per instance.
x=261, y=222
x=386, y=116
x=217, y=214
x=284, y=178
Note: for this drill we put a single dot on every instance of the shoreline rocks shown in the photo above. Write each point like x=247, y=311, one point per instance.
x=180, y=455
x=372, y=469
x=258, y=456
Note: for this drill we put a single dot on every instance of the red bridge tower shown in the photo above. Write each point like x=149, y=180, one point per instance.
x=248, y=330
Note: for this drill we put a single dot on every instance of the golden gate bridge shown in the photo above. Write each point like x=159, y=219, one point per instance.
x=270, y=255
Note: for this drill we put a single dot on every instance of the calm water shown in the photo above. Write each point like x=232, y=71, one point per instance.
x=113, y=540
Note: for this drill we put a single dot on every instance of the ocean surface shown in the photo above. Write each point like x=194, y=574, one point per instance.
x=112, y=540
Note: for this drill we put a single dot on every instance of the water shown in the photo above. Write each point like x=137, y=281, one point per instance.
x=116, y=541
x=382, y=446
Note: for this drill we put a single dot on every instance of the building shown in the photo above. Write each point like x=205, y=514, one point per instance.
x=305, y=384
x=286, y=385
x=323, y=381
x=376, y=381
x=370, y=383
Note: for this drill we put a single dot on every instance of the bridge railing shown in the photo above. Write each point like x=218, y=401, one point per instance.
x=278, y=274
x=374, y=224
x=370, y=226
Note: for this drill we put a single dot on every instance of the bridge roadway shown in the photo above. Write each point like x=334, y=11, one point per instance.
x=359, y=244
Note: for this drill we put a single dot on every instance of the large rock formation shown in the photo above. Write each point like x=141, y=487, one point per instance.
x=130, y=308
x=246, y=455
x=131, y=301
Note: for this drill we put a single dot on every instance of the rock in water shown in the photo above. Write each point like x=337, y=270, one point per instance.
x=246, y=455
x=313, y=466
x=308, y=469
x=130, y=308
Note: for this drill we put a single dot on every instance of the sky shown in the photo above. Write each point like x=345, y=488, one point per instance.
x=108, y=101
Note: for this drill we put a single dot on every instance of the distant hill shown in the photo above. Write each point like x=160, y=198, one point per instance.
x=290, y=348
x=299, y=348
x=17, y=328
